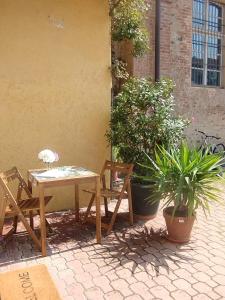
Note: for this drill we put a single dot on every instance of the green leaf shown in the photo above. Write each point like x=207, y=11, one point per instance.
x=186, y=178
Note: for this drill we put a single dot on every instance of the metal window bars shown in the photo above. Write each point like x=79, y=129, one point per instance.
x=207, y=43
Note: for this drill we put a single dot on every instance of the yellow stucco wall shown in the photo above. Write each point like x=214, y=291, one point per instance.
x=54, y=84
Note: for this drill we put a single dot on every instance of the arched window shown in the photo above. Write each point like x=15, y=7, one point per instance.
x=207, y=41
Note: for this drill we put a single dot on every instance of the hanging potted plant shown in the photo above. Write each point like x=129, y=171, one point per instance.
x=142, y=117
x=185, y=179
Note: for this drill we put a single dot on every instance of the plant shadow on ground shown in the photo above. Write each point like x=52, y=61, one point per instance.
x=136, y=248
x=144, y=249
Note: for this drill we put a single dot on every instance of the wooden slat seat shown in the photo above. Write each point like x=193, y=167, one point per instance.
x=106, y=193
x=27, y=205
x=17, y=207
x=110, y=193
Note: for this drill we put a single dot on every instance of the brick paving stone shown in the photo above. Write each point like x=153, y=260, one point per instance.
x=201, y=267
x=114, y=295
x=190, y=267
x=45, y=260
x=75, y=265
x=122, y=286
x=217, y=253
x=102, y=282
x=150, y=258
x=160, y=292
x=67, y=255
x=139, y=288
x=77, y=250
x=179, y=294
x=91, y=253
x=94, y=293
x=201, y=276
x=76, y=290
x=166, y=282
x=133, y=297
x=201, y=297
x=213, y=295
x=220, y=290
x=111, y=275
x=217, y=260
x=85, y=279
x=184, y=274
x=59, y=263
x=202, y=287
x=95, y=273
x=185, y=285
x=220, y=279
x=127, y=275
x=82, y=257
x=90, y=267
x=67, y=275
x=129, y=264
x=219, y=269
x=55, y=255
x=88, y=249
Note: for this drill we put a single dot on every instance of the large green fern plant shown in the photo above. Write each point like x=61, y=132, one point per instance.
x=186, y=178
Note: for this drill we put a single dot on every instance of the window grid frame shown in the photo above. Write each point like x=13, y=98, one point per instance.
x=206, y=33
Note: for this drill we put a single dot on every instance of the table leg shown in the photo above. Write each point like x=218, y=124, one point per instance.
x=30, y=186
x=2, y=214
x=77, y=200
x=98, y=211
x=42, y=219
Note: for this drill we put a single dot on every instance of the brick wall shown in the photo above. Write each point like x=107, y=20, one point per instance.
x=146, y=65
x=204, y=106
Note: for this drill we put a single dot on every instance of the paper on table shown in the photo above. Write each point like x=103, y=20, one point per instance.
x=64, y=172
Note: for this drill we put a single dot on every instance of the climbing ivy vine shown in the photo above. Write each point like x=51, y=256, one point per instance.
x=128, y=24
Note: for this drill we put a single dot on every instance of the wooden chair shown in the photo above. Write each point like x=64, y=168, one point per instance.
x=112, y=193
x=17, y=207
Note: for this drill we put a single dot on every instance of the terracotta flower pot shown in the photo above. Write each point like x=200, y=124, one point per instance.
x=179, y=227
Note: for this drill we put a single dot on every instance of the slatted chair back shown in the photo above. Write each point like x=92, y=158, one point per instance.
x=9, y=199
x=5, y=179
x=113, y=167
x=14, y=174
x=111, y=193
x=117, y=167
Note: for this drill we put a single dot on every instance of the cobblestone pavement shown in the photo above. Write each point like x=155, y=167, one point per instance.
x=132, y=263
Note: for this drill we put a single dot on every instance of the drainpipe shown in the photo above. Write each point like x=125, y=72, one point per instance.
x=157, y=39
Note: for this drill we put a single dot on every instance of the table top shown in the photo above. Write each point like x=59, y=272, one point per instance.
x=64, y=173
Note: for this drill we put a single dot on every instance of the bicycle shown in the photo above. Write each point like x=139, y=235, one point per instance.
x=213, y=148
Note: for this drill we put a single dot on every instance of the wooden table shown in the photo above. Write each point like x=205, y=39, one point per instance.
x=76, y=178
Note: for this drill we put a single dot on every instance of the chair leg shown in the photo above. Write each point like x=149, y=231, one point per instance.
x=131, y=216
x=47, y=223
x=2, y=214
x=15, y=223
x=114, y=216
x=106, y=207
x=48, y=226
x=31, y=219
x=1, y=232
x=89, y=208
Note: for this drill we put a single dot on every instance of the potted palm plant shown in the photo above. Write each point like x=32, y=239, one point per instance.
x=186, y=179
x=142, y=117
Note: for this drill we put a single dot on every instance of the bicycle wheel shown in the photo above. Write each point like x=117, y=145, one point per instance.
x=219, y=148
